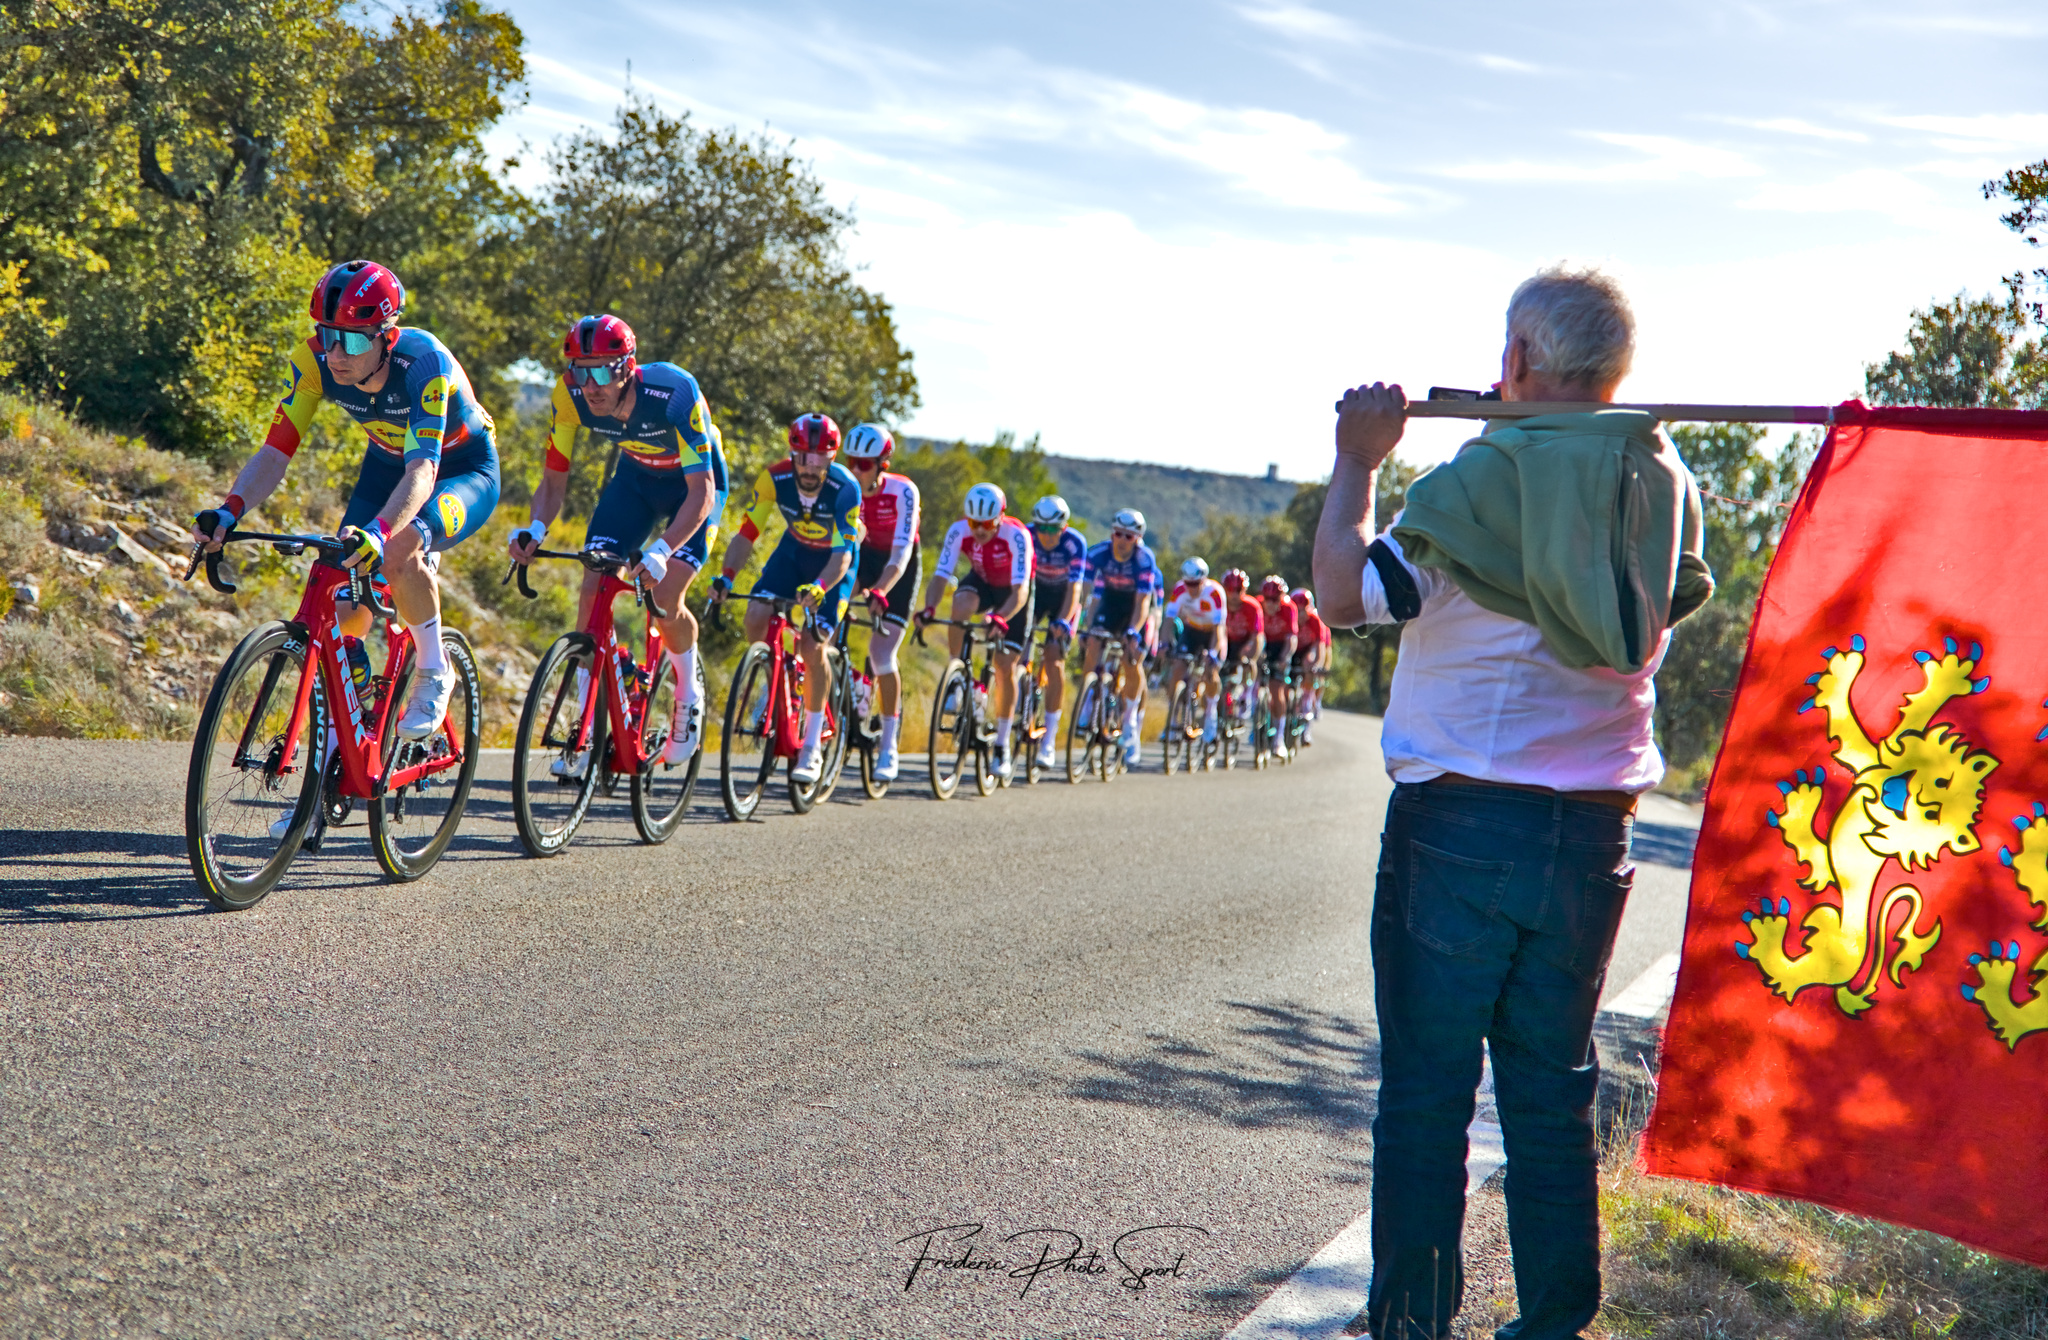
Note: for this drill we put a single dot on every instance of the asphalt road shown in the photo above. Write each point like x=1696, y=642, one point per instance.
x=716, y=1088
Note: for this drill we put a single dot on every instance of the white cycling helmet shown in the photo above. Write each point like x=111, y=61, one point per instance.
x=1194, y=570
x=869, y=442
x=1130, y=519
x=1051, y=510
x=985, y=502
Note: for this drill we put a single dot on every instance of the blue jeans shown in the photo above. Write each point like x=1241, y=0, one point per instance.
x=1493, y=920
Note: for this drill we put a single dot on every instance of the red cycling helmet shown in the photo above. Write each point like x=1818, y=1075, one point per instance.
x=814, y=432
x=1303, y=597
x=1236, y=580
x=1273, y=588
x=604, y=337
x=357, y=295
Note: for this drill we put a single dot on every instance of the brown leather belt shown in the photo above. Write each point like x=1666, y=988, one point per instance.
x=1617, y=800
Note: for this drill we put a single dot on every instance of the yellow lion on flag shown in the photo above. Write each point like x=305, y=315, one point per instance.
x=1913, y=795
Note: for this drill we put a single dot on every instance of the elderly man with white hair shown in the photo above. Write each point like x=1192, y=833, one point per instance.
x=1537, y=576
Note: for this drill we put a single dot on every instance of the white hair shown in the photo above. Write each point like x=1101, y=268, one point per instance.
x=1577, y=324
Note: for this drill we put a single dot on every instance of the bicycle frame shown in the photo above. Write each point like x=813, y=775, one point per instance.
x=786, y=681
x=317, y=627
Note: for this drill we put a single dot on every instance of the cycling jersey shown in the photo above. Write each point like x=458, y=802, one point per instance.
x=1313, y=631
x=427, y=405
x=1282, y=623
x=669, y=427
x=1200, y=608
x=1064, y=561
x=1134, y=576
x=1246, y=618
x=1003, y=559
x=829, y=521
x=889, y=517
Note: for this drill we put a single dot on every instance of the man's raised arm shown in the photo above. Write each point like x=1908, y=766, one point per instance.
x=1370, y=420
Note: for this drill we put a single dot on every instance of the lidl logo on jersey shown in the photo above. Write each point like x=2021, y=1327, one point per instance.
x=697, y=416
x=810, y=532
x=434, y=396
x=293, y=389
x=453, y=514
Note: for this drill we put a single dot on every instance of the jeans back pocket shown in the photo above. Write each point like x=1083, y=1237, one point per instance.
x=1453, y=899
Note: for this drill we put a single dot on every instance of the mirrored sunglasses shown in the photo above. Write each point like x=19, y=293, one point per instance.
x=816, y=459
x=602, y=374
x=863, y=464
x=352, y=342
x=1124, y=534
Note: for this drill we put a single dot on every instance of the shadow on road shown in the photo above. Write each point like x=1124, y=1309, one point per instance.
x=1283, y=1064
x=1663, y=844
x=70, y=874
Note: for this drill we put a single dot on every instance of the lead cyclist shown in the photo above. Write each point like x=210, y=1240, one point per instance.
x=429, y=478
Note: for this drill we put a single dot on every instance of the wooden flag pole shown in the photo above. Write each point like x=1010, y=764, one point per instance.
x=1527, y=409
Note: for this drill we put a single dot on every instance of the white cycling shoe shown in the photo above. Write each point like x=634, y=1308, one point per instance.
x=683, y=733
x=1046, y=751
x=805, y=770
x=282, y=826
x=1133, y=752
x=885, y=765
x=428, y=704
x=569, y=769
x=1003, y=771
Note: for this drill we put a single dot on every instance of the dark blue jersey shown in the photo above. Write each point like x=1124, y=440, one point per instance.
x=1133, y=576
x=1062, y=563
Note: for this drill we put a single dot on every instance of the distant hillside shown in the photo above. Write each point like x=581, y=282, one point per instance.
x=1174, y=499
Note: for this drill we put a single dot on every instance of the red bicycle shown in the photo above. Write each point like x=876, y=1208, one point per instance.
x=266, y=779
x=764, y=720
x=572, y=742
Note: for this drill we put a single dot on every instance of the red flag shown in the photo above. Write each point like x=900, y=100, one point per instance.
x=1860, y=1018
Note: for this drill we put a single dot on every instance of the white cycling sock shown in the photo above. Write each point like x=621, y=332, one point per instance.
x=890, y=725
x=688, y=690
x=1052, y=725
x=426, y=639
x=1130, y=714
x=814, y=728
x=1003, y=735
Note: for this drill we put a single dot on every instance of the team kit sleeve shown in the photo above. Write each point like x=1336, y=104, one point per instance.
x=1149, y=581
x=949, y=550
x=760, y=508
x=562, y=424
x=429, y=384
x=906, y=524
x=303, y=393
x=691, y=424
x=846, y=525
x=1020, y=554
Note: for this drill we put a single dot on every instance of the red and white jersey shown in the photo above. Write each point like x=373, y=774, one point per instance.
x=1247, y=618
x=1198, y=607
x=1003, y=559
x=888, y=517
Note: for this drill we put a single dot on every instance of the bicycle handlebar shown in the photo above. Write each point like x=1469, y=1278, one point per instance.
x=594, y=560
x=331, y=549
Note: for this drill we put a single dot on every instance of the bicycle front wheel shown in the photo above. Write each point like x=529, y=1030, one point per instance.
x=242, y=783
x=427, y=781
x=662, y=791
x=832, y=744
x=746, y=757
x=1081, y=731
x=1174, y=747
x=553, y=781
x=952, y=736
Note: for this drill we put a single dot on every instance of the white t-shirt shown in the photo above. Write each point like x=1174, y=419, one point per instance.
x=1482, y=694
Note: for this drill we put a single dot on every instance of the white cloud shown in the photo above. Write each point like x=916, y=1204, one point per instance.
x=1302, y=23
x=1660, y=158
x=2010, y=132
x=1792, y=125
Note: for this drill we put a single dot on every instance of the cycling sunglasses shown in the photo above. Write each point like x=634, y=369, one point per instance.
x=352, y=342
x=1126, y=535
x=601, y=374
x=863, y=463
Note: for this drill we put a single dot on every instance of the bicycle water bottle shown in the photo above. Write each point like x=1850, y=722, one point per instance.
x=359, y=673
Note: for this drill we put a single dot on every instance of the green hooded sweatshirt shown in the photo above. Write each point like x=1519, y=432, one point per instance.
x=1586, y=525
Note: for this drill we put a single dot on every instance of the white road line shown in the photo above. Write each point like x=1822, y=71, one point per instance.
x=1321, y=1298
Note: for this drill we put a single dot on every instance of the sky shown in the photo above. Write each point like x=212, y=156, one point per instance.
x=1175, y=232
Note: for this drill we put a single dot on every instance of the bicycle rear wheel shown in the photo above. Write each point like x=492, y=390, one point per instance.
x=662, y=791
x=746, y=757
x=240, y=781
x=952, y=730
x=411, y=825
x=1175, y=747
x=548, y=808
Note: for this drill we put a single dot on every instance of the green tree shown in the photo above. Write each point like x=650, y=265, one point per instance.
x=723, y=254
x=944, y=472
x=1965, y=352
x=1747, y=493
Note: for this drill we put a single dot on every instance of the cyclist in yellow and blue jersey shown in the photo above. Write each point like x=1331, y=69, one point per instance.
x=819, y=503
x=429, y=477
x=670, y=484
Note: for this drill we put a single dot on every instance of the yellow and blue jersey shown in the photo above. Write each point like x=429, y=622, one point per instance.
x=669, y=427
x=426, y=407
x=827, y=522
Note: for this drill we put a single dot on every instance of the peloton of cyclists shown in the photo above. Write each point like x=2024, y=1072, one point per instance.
x=889, y=571
x=1311, y=657
x=1244, y=627
x=1123, y=577
x=813, y=563
x=1059, y=555
x=1197, y=605
x=429, y=477
x=670, y=483
x=1283, y=632
x=998, y=582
